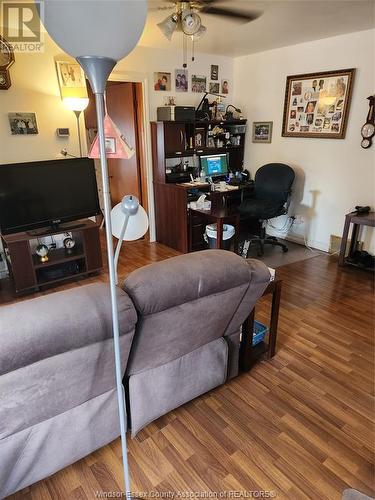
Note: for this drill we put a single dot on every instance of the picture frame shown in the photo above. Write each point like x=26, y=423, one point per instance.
x=71, y=78
x=214, y=87
x=214, y=72
x=23, y=123
x=181, y=80
x=200, y=137
x=198, y=83
x=317, y=104
x=162, y=81
x=262, y=132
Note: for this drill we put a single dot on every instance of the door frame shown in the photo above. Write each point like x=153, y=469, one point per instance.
x=146, y=160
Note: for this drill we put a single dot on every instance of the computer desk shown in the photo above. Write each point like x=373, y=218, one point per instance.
x=174, y=226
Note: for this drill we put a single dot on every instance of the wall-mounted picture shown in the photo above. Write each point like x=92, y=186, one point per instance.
x=262, y=132
x=214, y=87
x=198, y=83
x=71, y=79
x=181, y=80
x=70, y=74
x=317, y=104
x=23, y=123
x=214, y=72
x=225, y=86
x=162, y=81
x=200, y=137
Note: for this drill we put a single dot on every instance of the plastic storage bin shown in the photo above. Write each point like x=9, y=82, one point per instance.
x=211, y=235
x=259, y=332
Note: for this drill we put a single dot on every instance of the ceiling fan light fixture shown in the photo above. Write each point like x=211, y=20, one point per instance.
x=190, y=22
x=169, y=26
x=201, y=32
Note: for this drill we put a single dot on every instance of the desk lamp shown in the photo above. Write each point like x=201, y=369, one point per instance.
x=129, y=223
x=98, y=33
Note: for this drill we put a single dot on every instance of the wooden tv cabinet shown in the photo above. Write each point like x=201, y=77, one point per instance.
x=29, y=274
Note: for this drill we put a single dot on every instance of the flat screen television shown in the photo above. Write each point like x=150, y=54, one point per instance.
x=46, y=193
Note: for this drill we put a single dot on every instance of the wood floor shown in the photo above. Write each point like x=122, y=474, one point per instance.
x=300, y=425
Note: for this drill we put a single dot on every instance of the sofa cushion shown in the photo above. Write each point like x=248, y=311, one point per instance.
x=185, y=278
x=39, y=328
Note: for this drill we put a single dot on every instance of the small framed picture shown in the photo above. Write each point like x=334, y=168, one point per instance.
x=214, y=72
x=198, y=83
x=262, y=132
x=200, y=137
x=23, y=123
x=162, y=82
x=110, y=145
x=214, y=87
x=71, y=76
x=181, y=80
x=225, y=87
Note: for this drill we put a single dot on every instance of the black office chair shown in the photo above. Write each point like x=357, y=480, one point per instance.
x=270, y=198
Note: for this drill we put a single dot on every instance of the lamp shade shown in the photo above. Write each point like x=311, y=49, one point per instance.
x=100, y=28
x=136, y=227
x=168, y=26
x=76, y=103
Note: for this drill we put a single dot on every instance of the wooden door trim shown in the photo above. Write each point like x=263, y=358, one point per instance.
x=143, y=79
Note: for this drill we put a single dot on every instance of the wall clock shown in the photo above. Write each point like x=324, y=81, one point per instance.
x=6, y=61
x=368, y=129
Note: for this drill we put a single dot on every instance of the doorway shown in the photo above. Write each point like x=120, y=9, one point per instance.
x=124, y=101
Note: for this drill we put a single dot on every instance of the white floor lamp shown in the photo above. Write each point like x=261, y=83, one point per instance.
x=98, y=33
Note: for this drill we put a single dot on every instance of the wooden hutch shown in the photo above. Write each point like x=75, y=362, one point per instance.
x=176, y=141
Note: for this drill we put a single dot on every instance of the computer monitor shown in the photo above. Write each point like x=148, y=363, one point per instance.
x=214, y=165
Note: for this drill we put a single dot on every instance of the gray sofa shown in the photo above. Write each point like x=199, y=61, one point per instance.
x=180, y=326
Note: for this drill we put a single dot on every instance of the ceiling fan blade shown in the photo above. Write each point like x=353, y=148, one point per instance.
x=234, y=14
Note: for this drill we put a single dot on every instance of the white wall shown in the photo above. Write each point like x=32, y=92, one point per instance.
x=332, y=175
x=146, y=60
x=35, y=89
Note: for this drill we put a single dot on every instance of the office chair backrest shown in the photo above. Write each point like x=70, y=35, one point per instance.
x=274, y=181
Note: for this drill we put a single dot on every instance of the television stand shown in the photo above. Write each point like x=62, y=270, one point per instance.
x=56, y=228
x=29, y=273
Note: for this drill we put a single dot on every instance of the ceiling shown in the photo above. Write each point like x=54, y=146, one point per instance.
x=282, y=23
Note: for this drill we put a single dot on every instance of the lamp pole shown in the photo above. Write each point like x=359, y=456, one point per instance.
x=78, y=114
x=97, y=70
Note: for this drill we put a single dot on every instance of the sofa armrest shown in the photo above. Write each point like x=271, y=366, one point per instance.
x=36, y=329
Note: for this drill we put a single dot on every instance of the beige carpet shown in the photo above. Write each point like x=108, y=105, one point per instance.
x=275, y=257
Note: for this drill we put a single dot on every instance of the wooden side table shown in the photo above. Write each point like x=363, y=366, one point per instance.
x=249, y=354
x=357, y=220
x=220, y=216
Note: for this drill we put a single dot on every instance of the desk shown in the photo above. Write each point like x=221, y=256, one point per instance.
x=173, y=217
x=357, y=220
x=249, y=354
x=218, y=216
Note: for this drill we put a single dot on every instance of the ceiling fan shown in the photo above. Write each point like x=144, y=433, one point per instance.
x=187, y=18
